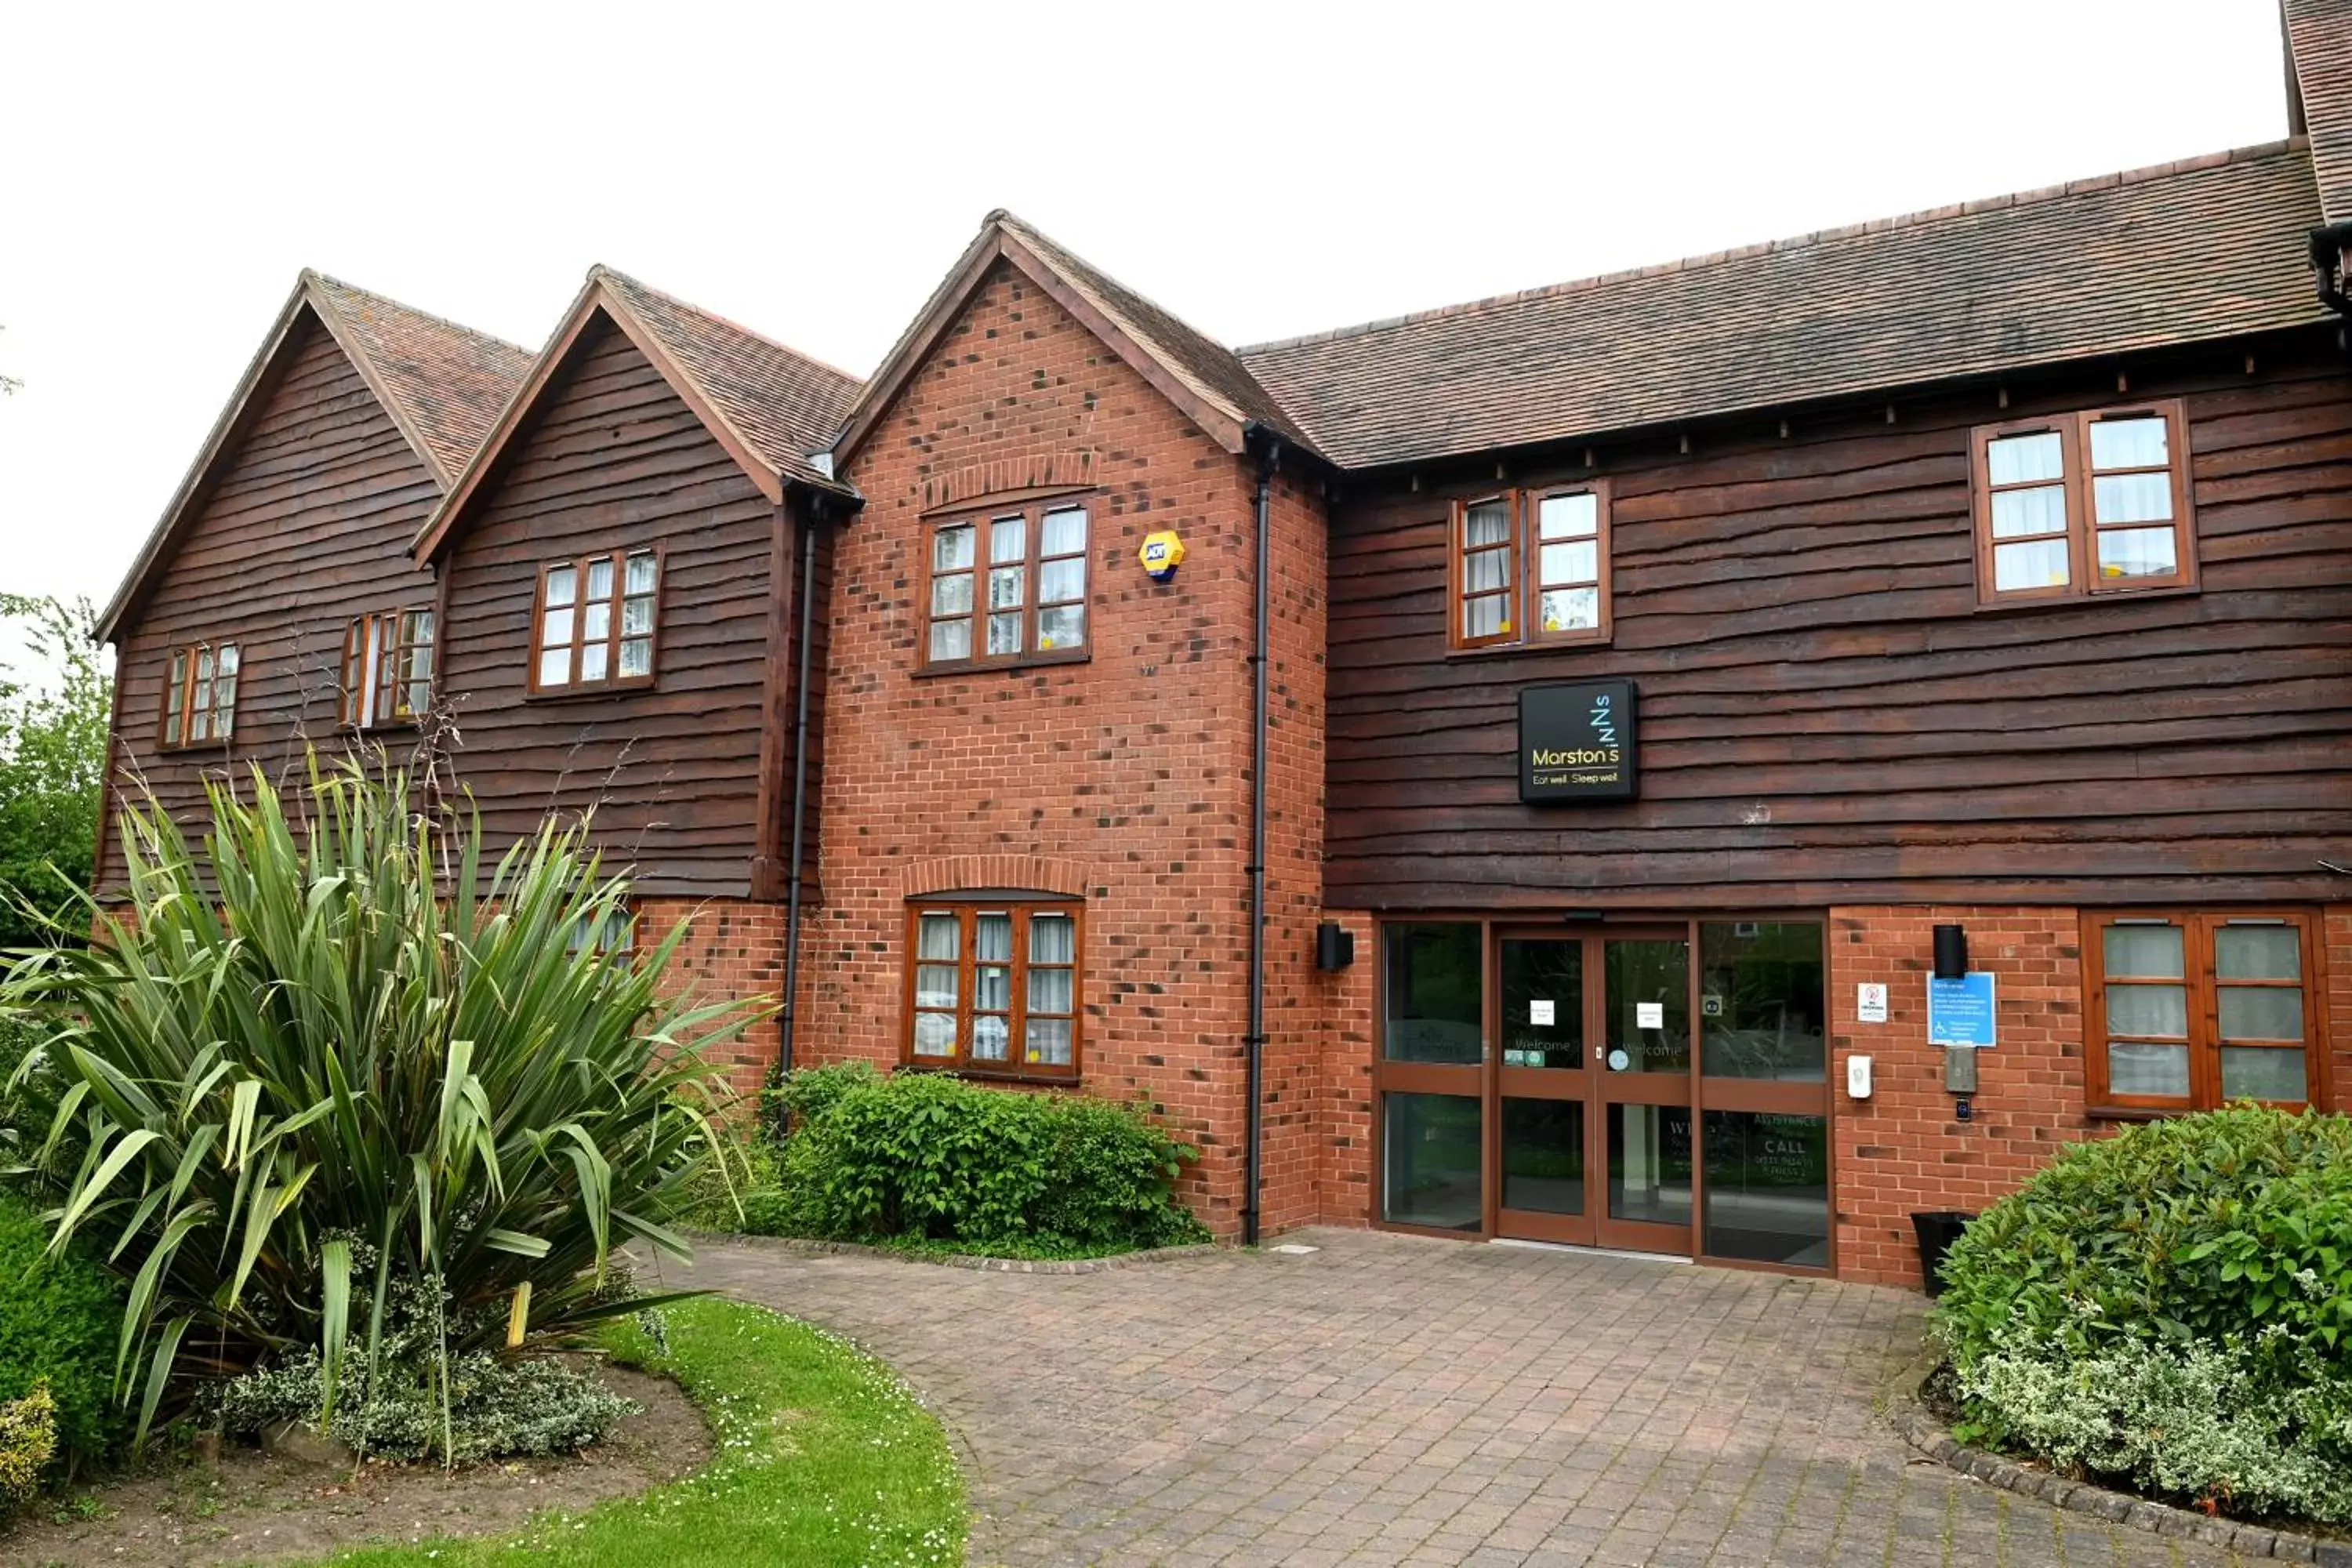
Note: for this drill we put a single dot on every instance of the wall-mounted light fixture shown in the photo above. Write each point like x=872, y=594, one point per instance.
x=1951, y=952
x=1335, y=946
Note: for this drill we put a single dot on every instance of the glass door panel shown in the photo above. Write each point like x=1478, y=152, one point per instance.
x=1646, y=1014
x=1542, y=1084
x=1543, y=1158
x=1543, y=1002
x=1641, y=1081
x=1430, y=1171
x=1767, y=1187
x=1764, y=1182
x=1433, y=1076
x=1650, y=1166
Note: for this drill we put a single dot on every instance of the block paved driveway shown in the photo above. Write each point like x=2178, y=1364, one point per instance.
x=1397, y=1400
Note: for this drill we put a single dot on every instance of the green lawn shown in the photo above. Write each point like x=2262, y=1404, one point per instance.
x=824, y=1457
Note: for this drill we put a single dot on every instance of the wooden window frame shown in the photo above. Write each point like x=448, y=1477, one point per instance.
x=1526, y=582
x=183, y=671
x=2202, y=985
x=611, y=679
x=982, y=520
x=1023, y=908
x=378, y=697
x=2082, y=528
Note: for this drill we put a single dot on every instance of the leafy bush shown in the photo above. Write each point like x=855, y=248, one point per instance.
x=302, y=1069
x=58, y=1317
x=921, y=1156
x=28, y=1438
x=533, y=1406
x=2172, y=1305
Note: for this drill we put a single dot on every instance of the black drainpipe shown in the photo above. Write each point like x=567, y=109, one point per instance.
x=811, y=511
x=1253, y=1043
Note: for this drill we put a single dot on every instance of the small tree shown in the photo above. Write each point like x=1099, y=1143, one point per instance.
x=306, y=1081
x=52, y=759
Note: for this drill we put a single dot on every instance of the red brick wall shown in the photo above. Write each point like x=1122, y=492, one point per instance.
x=1903, y=1149
x=1350, y=999
x=733, y=950
x=1132, y=767
x=1298, y=1087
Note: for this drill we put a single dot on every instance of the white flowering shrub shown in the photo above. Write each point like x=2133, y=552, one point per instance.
x=499, y=1409
x=2176, y=1420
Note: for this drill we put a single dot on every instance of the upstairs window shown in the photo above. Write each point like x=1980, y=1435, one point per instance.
x=2082, y=504
x=992, y=987
x=1009, y=586
x=200, y=695
x=387, y=668
x=2189, y=1010
x=1530, y=566
x=596, y=619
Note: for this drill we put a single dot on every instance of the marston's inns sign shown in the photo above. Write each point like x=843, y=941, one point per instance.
x=1577, y=742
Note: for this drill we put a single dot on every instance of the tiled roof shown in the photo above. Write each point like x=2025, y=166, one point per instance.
x=2207, y=248
x=446, y=382
x=1211, y=370
x=2319, y=51
x=784, y=405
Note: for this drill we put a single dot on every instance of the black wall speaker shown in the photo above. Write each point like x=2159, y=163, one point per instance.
x=1335, y=946
x=1951, y=952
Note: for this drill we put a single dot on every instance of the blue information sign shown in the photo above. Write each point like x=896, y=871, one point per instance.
x=1960, y=1012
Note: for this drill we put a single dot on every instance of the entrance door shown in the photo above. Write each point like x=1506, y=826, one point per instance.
x=1592, y=1103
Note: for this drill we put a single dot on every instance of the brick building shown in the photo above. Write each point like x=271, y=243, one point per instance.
x=1495, y=773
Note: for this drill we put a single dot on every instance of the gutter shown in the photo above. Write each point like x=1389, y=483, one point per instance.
x=1253, y=1043
x=812, y=512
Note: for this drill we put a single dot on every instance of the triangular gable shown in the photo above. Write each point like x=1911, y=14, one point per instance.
x=767, y=405
x=1198, y=375
x=438, y=382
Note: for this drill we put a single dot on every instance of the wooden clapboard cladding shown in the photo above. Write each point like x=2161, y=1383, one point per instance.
x=1827, y=718
x=305, y=526
x=614, y=459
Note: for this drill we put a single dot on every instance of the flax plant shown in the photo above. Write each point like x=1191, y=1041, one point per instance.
x=304, y=1074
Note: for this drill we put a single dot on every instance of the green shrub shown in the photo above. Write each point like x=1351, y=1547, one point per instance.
x=925, y=1157
x=58, y=1320
x=28, y=1439
x=313, y=1063
x=2172, y=1305
x=499, y=1409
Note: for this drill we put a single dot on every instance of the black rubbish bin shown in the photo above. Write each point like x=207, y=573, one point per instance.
x=1938, y=1228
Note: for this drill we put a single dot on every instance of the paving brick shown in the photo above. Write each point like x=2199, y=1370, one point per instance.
x=1446, y=1404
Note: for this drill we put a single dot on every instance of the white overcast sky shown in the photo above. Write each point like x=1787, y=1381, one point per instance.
x=1263, y=169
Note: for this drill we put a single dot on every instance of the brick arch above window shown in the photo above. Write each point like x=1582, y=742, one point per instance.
x=1033, y=472
x=1031, y=873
